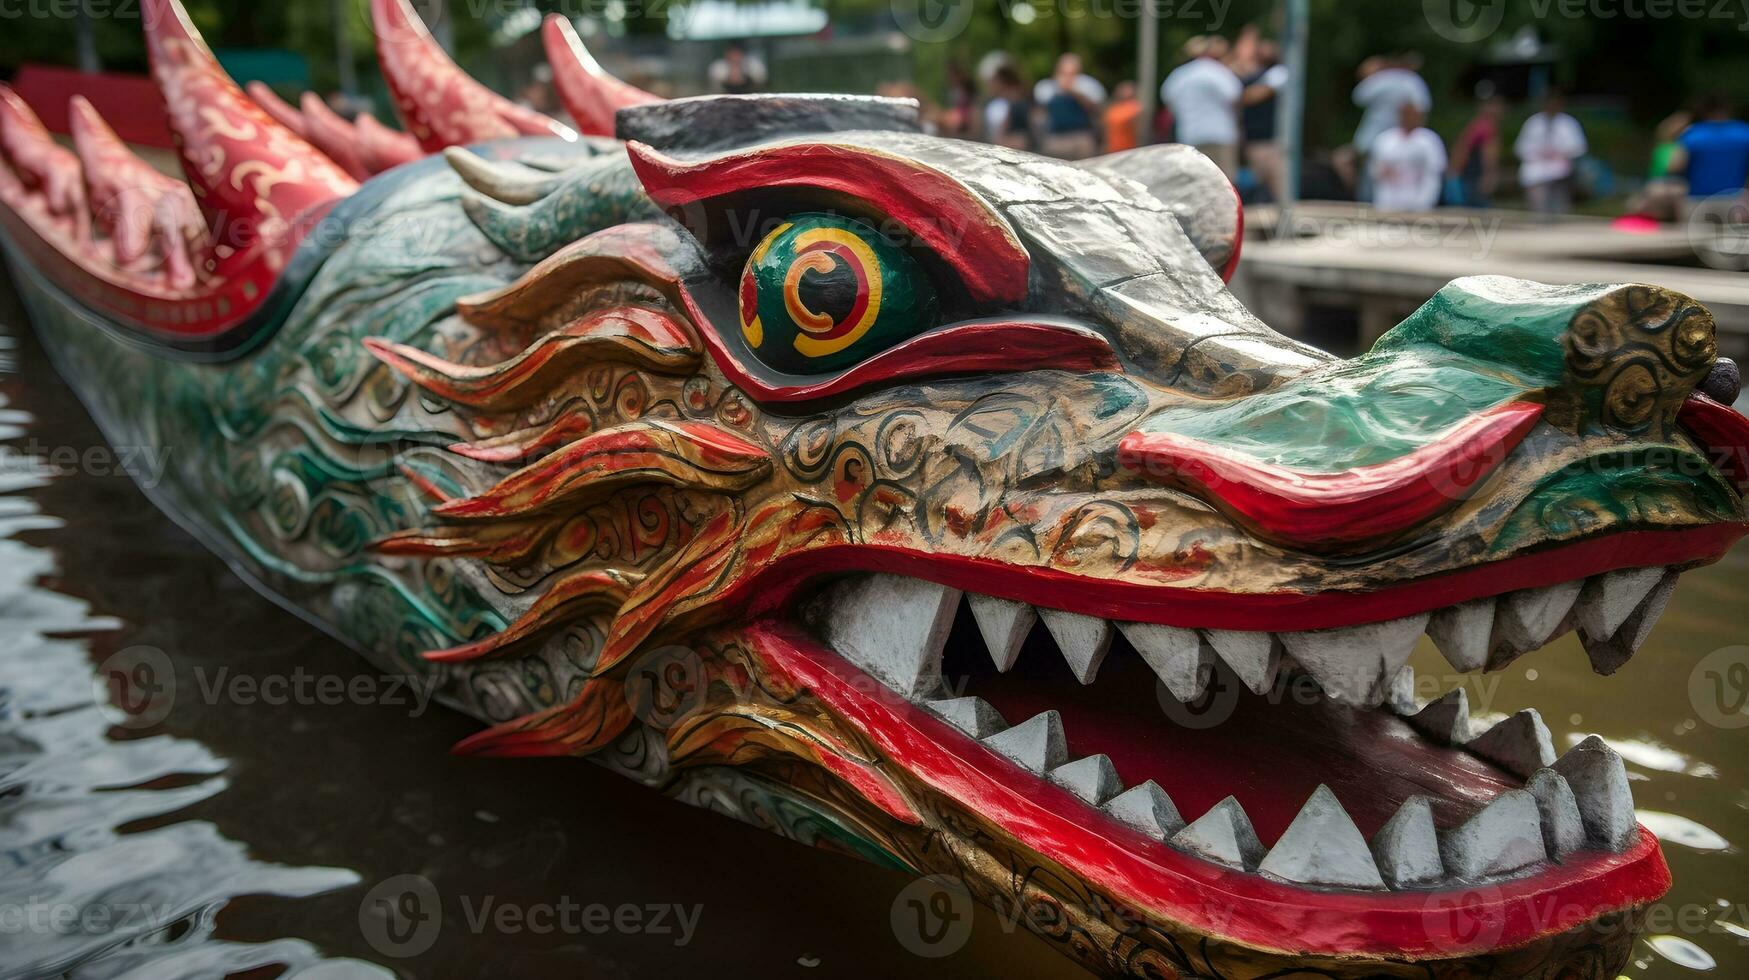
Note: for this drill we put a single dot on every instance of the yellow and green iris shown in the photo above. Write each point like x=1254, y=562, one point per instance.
x=821, y=293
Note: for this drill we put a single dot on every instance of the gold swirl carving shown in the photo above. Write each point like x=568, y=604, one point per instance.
x=1635, y=354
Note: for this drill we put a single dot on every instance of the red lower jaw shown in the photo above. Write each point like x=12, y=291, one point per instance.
x=1145, y=875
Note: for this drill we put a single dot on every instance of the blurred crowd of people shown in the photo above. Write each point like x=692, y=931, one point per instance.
x=1222, y=99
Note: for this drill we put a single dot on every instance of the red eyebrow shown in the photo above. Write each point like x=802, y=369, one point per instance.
x=943, y=214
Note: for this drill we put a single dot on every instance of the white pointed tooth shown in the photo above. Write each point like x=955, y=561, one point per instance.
x=1607, y=655
x=1222, y=835
x=1179, y=656
x=1599, y=780
x=1323, y=847
x=1148, y=809
x=1445, y=720
x=1505, y=836
x=1036, y=744
x=1254, y=657
x=1093, y=778
x=1521, y=744
x=893, y=627
x=1354, y=663
x=1609, y=599
x=1563, y=828
x=1407, y=846
x=974, y=716
x=1400, y=695
x=1462, y=632
x=1004, y=624
x=1084, y=640
x=1529, y=618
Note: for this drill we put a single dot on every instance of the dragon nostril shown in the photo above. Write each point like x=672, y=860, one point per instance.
x=1724, y=382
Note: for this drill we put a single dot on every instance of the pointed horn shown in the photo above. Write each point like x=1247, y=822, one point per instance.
x=252, y=176
x=41, y=165
x=282, y=111
x=137, y=205
x=589, y=93
x=332, y=135
x=440, y=105
x=384, y=148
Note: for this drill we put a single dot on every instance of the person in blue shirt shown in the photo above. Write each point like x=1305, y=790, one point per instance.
x=1717, y=151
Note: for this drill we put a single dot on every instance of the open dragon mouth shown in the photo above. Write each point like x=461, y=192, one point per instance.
x=1303, y=757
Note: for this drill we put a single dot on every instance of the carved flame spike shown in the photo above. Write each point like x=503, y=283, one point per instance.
x=589, y=93
x=579, y=592
x=42, y=167
x=647, y=338
x=597, y=716
x=649, y=452
x=514, y=447
x=332, y=135
x=253, y=177
x=143, y=211
x=439, y=103
x=282, y=111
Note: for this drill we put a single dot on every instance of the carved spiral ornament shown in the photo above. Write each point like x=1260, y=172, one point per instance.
x=1642, y=349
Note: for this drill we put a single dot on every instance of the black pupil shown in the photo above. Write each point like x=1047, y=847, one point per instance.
x=830, y=293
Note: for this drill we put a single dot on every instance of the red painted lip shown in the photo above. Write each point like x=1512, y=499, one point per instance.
x=1147, y=875
x=776, y=585
x=1319, y=510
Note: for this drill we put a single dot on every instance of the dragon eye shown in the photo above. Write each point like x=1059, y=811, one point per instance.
x=822, y=292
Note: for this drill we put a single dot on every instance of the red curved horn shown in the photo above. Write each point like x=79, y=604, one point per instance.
x=282, y=111
x=589, y=93
x=252, y=176
x=42, y=167
x=438, y=102
x=143, y=210
x=332, y=135
x=383, y=147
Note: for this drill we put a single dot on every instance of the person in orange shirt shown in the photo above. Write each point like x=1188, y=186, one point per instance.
x=1121, y=117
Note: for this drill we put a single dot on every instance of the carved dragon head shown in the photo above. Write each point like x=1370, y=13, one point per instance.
x=937, y=502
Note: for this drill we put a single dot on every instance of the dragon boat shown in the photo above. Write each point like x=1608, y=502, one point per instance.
x=928, y=501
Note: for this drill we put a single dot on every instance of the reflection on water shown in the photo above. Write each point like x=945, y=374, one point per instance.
x=242, y=834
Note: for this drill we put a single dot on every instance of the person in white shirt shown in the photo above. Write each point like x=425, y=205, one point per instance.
x=1547, y=147
x=1204, y=96
x=1407, y=164
x=1386, y=85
